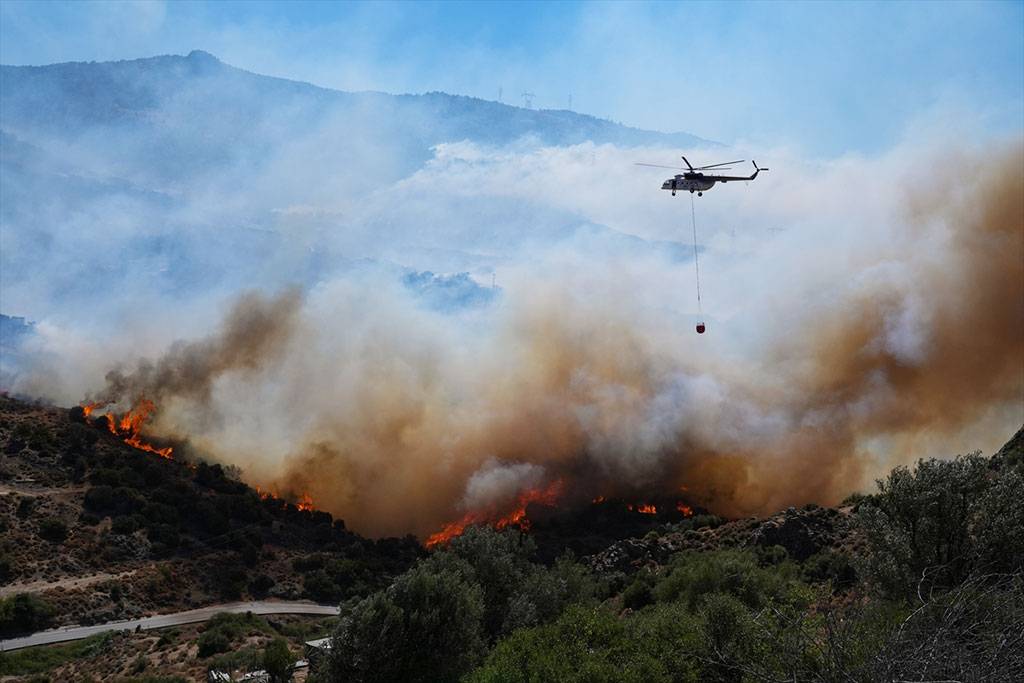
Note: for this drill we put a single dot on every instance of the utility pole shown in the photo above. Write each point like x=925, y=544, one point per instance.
x=528, y=100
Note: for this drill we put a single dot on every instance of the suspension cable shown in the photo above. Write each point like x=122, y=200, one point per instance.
x=696, y=262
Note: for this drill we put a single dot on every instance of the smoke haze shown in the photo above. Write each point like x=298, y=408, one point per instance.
x=398, y=418
x=336, y=333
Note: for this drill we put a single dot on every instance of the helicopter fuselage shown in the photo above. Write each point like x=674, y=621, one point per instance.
x=689, y=182
x=693, y=180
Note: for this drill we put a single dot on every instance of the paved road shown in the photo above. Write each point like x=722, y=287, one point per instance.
x=60, y=635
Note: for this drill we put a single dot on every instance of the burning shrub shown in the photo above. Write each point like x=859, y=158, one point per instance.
x=103, y=424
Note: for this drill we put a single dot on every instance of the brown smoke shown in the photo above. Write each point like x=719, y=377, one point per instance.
x=255, y=331
x=397, y=425
x=851, y=385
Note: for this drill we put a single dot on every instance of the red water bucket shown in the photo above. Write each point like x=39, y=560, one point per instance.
x=700, y=328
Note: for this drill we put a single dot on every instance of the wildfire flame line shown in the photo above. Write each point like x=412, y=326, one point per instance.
x=305, y=501
x=516, y=518
x=129, y=426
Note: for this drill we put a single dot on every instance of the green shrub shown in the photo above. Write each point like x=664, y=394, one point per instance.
x=591, y=644
x=277, y=661
x=638, y=594
x=53, y=530
x=6, y=568
x=428, y=626
x=100, y=498
x=124, y=525
x=25, y=507
x=36, y=660
x=223, y=629
x=213, y=642
x=261, y=585
x=319, y=586
x=692, y=576
x=24, y=613
x=832, y=566
x=935, y=525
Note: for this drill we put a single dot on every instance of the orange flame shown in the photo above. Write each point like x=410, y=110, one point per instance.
x=305, y=502
x=266, y=495
x=685, y=509
x=130, y=425
x=647, y=509
x=516, y=518
x=598, y=500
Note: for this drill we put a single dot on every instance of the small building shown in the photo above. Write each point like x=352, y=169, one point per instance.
x=316, y=650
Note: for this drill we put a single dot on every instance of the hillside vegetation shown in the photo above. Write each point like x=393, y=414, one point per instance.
x=96, y=530
x=921, y=580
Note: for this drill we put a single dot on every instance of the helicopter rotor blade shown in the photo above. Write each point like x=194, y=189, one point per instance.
x=674, y=168
x=724, y=163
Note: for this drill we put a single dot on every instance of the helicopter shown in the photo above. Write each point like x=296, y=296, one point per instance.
x=695, y=181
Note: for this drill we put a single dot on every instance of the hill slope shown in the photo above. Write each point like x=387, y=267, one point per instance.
x=196, y=111
x=102, y=530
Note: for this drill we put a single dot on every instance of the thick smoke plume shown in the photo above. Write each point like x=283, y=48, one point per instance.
x=399, y=419
x=254, y=333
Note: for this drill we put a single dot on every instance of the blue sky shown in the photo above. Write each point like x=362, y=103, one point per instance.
x=825, y=78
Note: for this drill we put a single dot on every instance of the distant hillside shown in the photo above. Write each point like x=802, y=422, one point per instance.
x=175, y=176
x=195, y=110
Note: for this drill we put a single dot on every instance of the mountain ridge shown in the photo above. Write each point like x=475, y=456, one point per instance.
x=200, y=62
